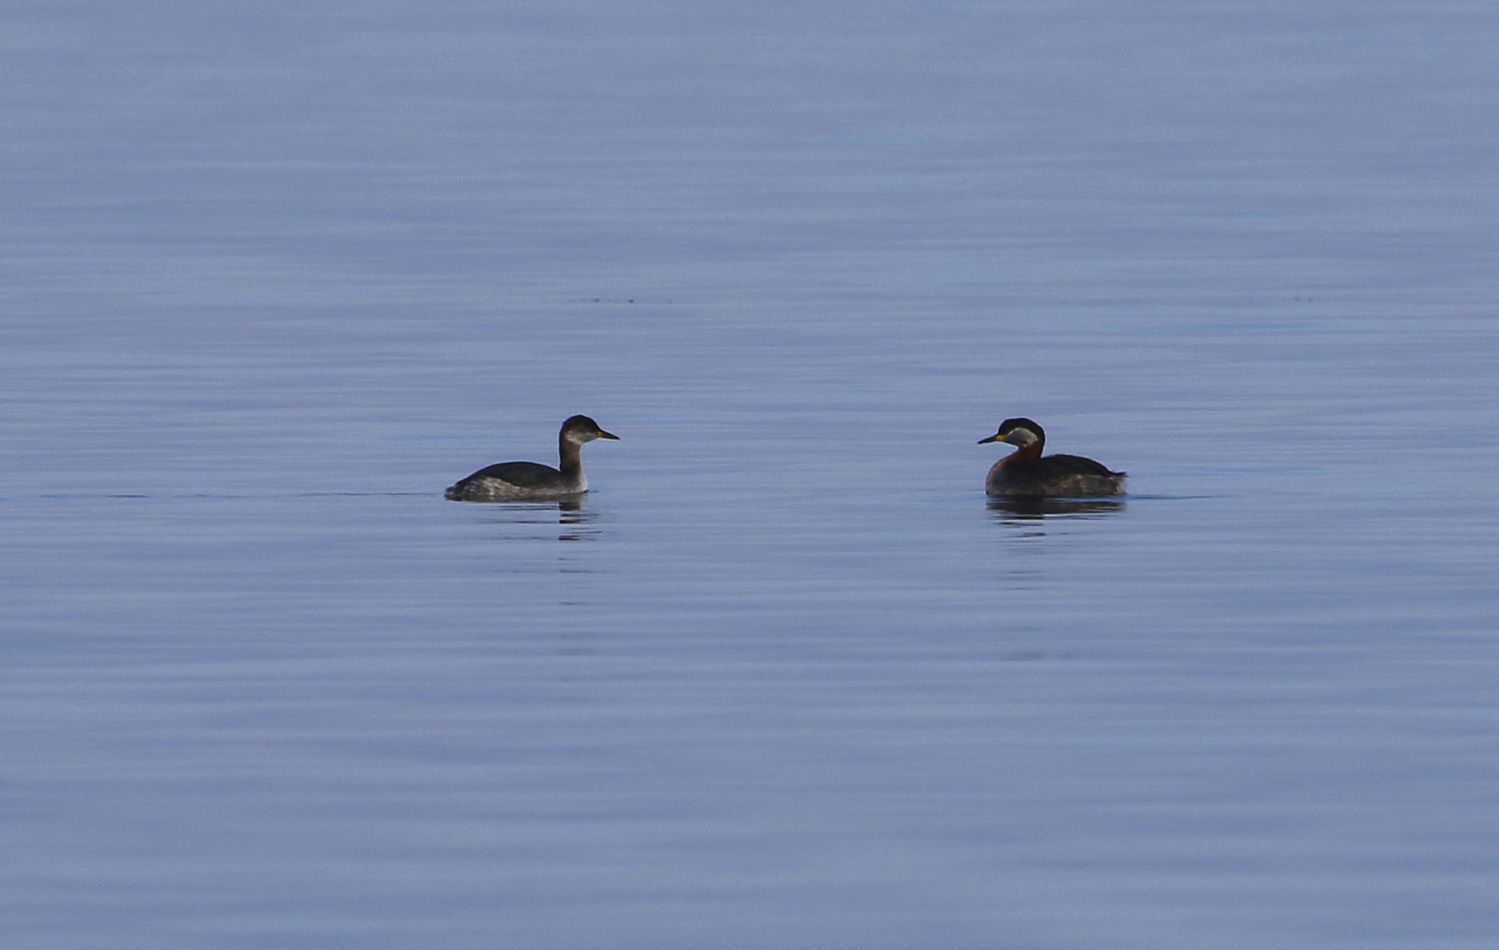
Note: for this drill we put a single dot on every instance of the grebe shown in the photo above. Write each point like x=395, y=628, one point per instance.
x=521, y=481
x=1026, y=474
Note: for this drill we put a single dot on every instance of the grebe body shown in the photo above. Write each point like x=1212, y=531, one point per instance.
x=532, y=481
x=1025, y=473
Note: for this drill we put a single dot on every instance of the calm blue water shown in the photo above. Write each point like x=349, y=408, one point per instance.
x=274, y=277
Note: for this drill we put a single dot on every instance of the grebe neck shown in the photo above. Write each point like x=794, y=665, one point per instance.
x=570, y=454
x=1028, y=453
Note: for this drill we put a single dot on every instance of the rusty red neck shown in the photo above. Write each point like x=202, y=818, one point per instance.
x=1026, y=453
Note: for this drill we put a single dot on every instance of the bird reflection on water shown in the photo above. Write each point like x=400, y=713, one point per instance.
x=570, y=514
x=577, y=523
x=1037, y=508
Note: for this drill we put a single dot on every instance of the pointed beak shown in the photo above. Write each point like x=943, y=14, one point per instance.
x=608, y=435
x=992, y=438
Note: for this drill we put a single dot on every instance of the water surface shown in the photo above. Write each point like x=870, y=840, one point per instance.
x=786, y=678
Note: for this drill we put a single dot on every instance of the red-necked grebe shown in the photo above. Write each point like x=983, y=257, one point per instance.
x=1026, y=474
x=522, y=481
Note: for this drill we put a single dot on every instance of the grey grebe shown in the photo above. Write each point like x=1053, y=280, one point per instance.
x=1026, y=474
x=520, y=481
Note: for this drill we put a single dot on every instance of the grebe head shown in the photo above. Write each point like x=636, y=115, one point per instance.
x=580, y=429
x=1019, y=431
